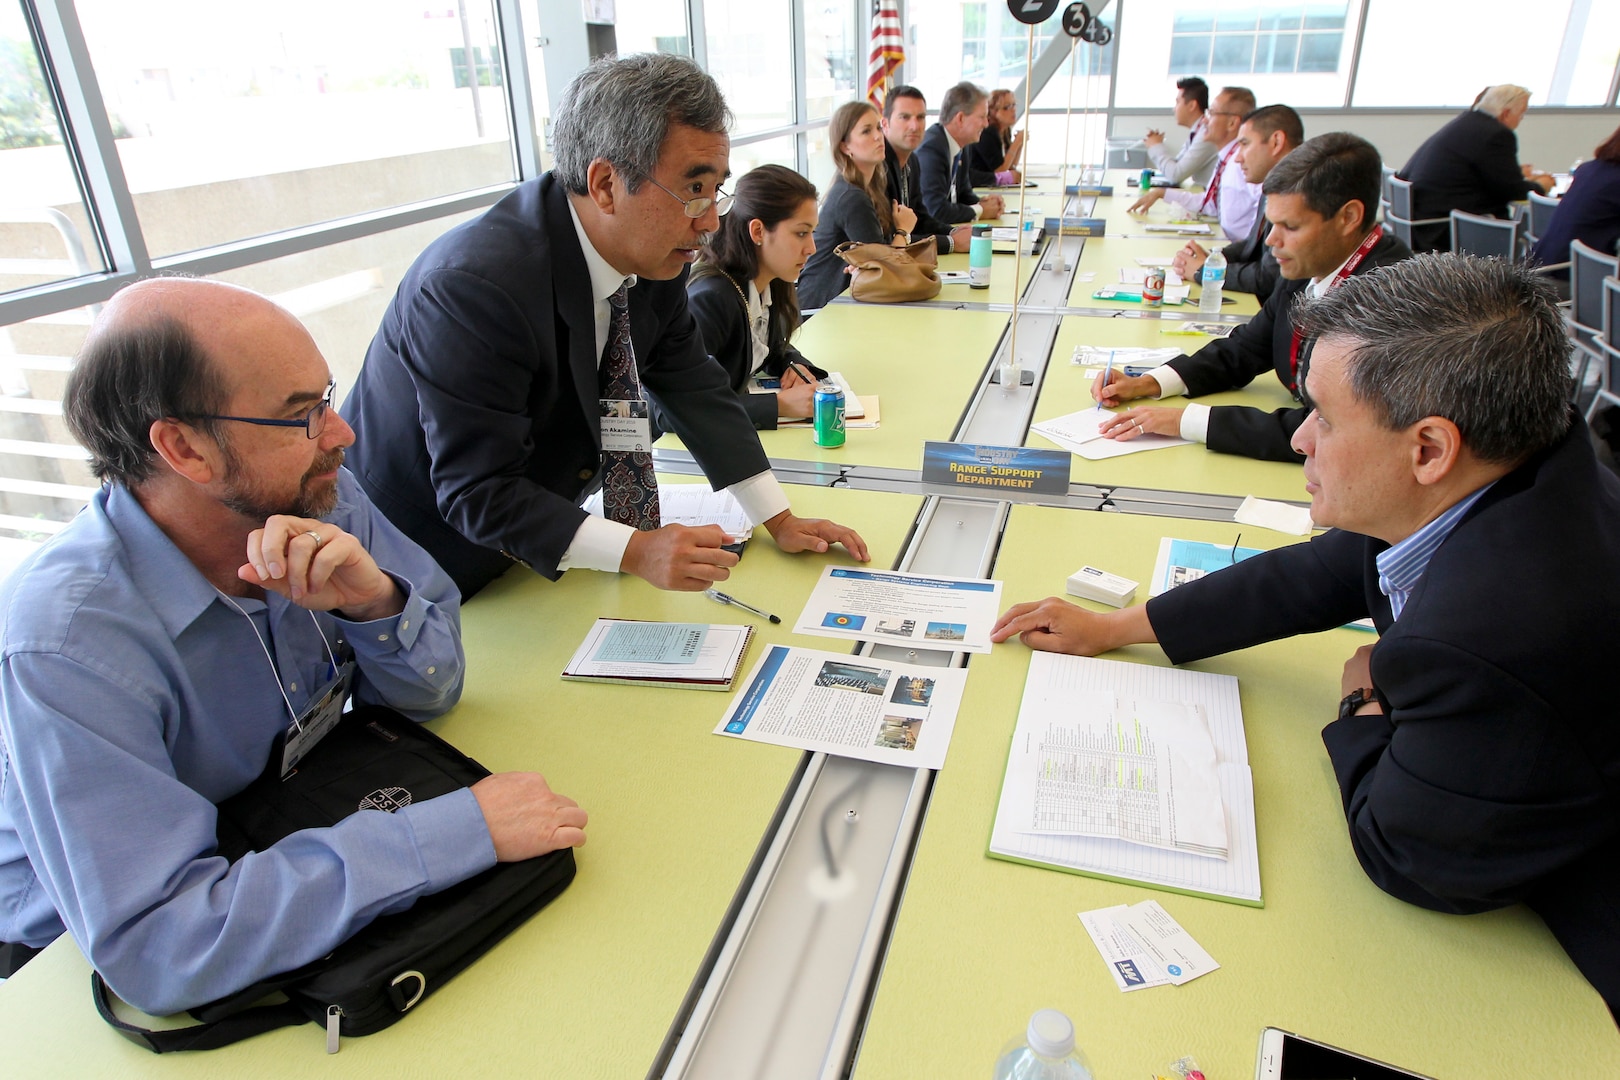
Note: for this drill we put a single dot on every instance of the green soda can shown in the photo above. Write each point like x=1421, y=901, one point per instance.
x=829, y=414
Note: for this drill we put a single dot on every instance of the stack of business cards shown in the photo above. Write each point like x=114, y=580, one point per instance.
x=1143, y=946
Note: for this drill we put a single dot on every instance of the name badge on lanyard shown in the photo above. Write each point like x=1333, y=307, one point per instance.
x=320, y=716
x=626, y=425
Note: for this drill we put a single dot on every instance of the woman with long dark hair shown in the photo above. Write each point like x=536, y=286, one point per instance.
x=742, y=295
x=857, y=206
x=1590, y=209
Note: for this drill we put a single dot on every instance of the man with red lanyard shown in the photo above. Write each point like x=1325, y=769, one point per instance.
x=1230, y=197
x=1321, y=202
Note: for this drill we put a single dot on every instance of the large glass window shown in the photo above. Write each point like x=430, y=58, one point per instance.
x=1293, y=51
x=235, y=120
x=1496, y=41
x=750, y=57
x=833, y=65
x=45, y=234
x=651, y=26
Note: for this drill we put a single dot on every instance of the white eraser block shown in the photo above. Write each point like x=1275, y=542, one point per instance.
x=1101, y=586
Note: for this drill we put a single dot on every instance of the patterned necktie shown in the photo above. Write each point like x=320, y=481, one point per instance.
x=629, y=489
x=1212, y=194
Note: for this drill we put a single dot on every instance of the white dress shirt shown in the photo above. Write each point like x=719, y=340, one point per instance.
x=599, y=544
x=1239, y=199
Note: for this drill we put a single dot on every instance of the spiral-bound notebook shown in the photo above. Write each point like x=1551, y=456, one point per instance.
x=681, y=656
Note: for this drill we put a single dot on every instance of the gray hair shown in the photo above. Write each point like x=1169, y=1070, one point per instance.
x=1477, y=341
x=964, y=97
x=1498, y=99
x=620, y=109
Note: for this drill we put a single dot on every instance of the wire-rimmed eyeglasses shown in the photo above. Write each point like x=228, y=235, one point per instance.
x=313, y=422
x=696, y=208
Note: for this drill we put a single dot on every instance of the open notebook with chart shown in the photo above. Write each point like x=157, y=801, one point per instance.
x=1133, y=773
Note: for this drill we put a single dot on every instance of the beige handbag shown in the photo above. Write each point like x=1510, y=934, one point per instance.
x=885, y=274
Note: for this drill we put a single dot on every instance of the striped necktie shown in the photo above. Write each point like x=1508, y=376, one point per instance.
x=629, y=488
x=1212, y=195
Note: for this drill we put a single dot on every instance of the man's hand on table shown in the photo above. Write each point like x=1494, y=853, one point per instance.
x=1121, y=387
x=1145, y=420
x=815, y=534
x=1054, y=625
x=1189, y=261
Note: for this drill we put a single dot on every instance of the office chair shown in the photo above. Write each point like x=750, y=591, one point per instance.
x=1541, y=214
x=1608, y=388
x=1400, y=217
x=1476, y=234
x=1587, y=269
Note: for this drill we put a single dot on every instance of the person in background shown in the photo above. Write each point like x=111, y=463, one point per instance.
x=1233, y=198
x=1476, y=745
x=857, y=206
x=742, y=295
x=1195, y=160
x=1265, y=137
x=993, y=160
x=1322, y=201
x=905, y=116
x=1472, y=164
x=1589, y=211
x=947, y=186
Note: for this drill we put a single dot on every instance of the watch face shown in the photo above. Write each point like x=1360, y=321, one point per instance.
x=1032, y=11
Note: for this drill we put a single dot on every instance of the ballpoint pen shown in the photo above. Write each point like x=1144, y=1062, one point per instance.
x=802, y=373
x=720, y=597
x=1108, y=373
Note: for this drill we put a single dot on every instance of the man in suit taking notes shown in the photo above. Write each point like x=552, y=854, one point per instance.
x=947, y=190
x=1321, y=201
x=1265, y=137
x=492, y=399
x=1476, y=749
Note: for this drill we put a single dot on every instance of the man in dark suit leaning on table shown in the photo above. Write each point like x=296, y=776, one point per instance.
x=1266, y=136
x=1321, y=201
x=506, y=381
x=905, y=115
x=947, y=190
x=1478, y=746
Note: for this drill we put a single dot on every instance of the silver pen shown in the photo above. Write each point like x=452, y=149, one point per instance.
x=720, y=597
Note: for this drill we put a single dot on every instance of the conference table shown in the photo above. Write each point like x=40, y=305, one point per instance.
x=601, y=982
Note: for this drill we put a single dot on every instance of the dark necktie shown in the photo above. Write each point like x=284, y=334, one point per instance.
x=629, y=489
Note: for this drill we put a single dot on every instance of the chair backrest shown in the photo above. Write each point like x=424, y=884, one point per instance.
x=1400, y=197
x=1587, y=269
x=1383, y=190
x=1541, y=212
x=1610, y=337
x=1476, y=234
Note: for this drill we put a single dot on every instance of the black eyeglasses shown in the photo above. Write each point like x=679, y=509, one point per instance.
x=313, y=422
x=696, y=208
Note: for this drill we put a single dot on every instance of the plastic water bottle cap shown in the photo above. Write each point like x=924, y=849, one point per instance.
x=1050, y=1033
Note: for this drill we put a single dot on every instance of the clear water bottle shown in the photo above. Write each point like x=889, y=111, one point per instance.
x=1046, y=1051
x=1209, y=301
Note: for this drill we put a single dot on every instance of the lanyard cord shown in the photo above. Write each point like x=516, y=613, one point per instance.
x=331, y=660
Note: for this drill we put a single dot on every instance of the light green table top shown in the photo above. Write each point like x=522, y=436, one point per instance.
x=981, y=943
x=1067, y=388
x=922, y=363
x=589, y=986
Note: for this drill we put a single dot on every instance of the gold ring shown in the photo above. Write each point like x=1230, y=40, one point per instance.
x=312, y=534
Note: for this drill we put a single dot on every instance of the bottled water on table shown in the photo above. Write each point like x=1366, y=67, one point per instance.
x=1209, y=301
x=1045, y=1051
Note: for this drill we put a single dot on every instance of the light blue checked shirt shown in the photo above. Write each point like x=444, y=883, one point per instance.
x=1401, y=566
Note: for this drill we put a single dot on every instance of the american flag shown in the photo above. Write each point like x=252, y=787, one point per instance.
x=888, y=49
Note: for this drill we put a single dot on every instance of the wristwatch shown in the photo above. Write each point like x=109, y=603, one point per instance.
x=1355, y=699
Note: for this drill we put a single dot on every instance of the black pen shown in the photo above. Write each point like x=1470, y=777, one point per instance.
x=802, y=374
x=720, y=597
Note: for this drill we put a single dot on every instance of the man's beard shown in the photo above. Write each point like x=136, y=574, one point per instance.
x=310, y=502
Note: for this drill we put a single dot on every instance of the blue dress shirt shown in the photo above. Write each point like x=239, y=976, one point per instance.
x=133, y=696
x=1401, y=566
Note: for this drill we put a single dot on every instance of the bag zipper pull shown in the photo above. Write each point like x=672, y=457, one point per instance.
x=334, y=1013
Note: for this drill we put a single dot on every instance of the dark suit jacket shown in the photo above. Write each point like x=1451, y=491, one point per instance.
x=1495, y=778
x=475, y=413
x=1472, y=164
x=721, y=312
x=943, y=175
x=985, y=156
x=905, y=188
x=1250, y=265
x=1588, y=212
x=1264, y=343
